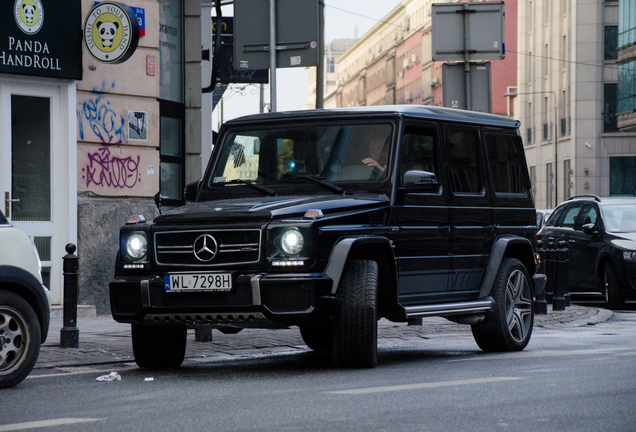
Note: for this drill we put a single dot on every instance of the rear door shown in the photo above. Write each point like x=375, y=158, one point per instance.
x=583, y=249
x=471, y=213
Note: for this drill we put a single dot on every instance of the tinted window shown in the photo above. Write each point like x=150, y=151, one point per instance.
x=554, y=217
x=505, y=158
x=588, y=216
x=569, y=216
x=418, y=152
x=463, y=160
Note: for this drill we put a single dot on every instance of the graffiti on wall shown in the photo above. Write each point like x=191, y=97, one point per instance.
x=106, y=170
x=106, y=124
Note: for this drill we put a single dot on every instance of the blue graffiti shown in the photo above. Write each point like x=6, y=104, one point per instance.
x=105, y=123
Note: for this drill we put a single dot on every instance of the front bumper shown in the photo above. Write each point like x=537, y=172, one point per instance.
x=257, y=300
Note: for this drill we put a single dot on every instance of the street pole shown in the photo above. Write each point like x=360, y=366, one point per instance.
x=320, y=69
x=272, y=55
x=467, y=57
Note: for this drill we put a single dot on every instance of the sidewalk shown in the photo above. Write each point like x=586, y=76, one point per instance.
x=104, y=341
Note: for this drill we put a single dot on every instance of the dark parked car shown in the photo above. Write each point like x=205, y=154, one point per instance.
x=542, y=217
x=332, y=219
x=601, y=238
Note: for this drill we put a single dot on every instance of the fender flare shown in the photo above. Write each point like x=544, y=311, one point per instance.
x=345, y=247
x=28, y=284
x=499, y=251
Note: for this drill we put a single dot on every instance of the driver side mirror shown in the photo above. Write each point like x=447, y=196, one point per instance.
x=588, y=228
x=417, y=179
x=191, y=191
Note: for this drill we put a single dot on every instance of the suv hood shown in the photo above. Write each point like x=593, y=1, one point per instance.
x=269, y=208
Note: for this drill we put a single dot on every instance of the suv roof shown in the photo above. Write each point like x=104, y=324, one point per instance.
x=604, y=200
x=414, y=111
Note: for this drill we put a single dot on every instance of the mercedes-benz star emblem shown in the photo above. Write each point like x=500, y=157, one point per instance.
x=205, y=248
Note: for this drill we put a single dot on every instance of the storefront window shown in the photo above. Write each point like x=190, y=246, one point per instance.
x=623, y=176
x=171, y=50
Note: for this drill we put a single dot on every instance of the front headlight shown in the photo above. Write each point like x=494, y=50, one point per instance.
x=629, y=255
x=137, y=245
x=292, y=242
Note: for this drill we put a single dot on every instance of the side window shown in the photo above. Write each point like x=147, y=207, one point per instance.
x=569, y=217
x=554, y=217
x=463, y=159
x=418, y=152
x=505, y=157
x=588, y=215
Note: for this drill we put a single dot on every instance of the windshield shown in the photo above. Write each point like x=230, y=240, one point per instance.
x=619, y=217
x=333, y=153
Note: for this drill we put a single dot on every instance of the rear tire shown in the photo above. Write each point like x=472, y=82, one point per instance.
x=613, y=297
x=317, y=337
x=158, y=347
x=508, y=326
x=355, y=327
x=19, y=339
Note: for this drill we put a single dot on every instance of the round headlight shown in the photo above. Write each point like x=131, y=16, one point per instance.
x=137, y=245
x=292, y=242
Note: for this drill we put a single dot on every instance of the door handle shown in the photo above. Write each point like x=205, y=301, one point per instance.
x=571, y=241
x=7, y=204
x=443, y=229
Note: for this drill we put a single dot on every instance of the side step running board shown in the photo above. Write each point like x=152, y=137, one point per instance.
x=447, y=309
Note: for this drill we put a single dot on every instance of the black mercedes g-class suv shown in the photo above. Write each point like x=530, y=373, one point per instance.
x=332, y=219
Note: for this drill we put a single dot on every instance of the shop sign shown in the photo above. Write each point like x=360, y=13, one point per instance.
x=111, y=32
x=33, y=41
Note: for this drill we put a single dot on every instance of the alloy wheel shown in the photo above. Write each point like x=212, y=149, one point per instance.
x=518, y=305
x=14, y=334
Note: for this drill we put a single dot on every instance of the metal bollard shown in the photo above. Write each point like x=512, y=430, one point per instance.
x=549, y=272
x=561, y=271
x=540, y=304
x=69, y=335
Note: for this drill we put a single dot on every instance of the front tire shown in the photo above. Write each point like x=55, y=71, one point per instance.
x=19, y=339
x=355, y=325
x=509, y=326
x=613, y=297
x=158, y=347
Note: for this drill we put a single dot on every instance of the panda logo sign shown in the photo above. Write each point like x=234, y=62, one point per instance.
x=29, y=15
x=111, y=32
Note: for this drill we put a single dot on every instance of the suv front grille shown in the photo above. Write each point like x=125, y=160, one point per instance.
x=176, y=248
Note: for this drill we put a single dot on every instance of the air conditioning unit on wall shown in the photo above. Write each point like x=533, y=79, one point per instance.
x=400, y=74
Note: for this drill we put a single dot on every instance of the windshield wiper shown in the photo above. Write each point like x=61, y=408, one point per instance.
x=268, y=191
x=332, y=187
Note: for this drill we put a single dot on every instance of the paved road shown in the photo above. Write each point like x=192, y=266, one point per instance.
x=568, y=379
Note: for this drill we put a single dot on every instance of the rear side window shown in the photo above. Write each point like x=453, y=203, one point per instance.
x=505, y=158
x=463, y=160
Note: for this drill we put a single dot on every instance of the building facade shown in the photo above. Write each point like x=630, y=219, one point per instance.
x=82, y=153
x=393, y=63
x=623, y=168
x=567, y=97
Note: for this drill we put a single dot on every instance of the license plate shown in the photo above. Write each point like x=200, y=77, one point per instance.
x=198, y=282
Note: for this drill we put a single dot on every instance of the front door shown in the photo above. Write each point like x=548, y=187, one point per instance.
x=29, y=125
x=424, y=220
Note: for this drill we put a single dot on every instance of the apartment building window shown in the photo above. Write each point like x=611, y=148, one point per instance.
x=611, y=42
x=562, y=111
x=331, y=65
x=533, y=180
x=544, y=117
x=609, y=107
x=567, y=179
x=549, y=185
x=623, y=176
x=627, y=86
